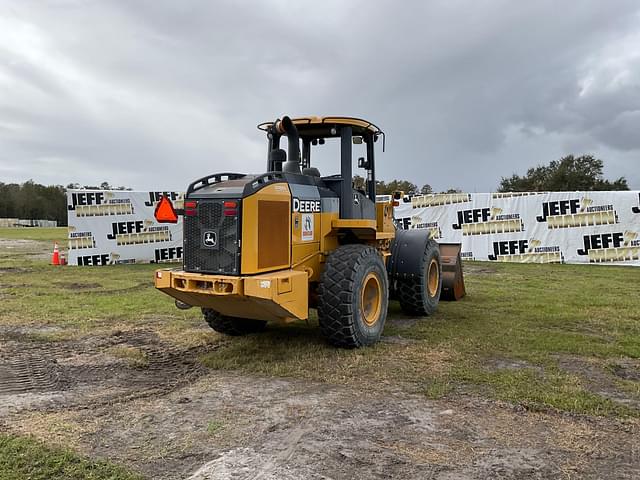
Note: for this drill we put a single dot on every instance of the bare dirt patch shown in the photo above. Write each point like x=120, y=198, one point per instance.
x=289, y=429
x=19, y=243
x=78, y=286
x=169, y=417
x=14, y=270
x=140, y=396
x=70, y=373
x=35, y=250
x=497, y=364
x=602, y=382
x=478, y=269
x=402, y=323
x=627, y=369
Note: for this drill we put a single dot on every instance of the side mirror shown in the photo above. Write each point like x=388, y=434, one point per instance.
x=362, y=163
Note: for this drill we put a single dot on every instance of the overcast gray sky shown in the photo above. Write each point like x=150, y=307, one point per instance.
x=153, y=94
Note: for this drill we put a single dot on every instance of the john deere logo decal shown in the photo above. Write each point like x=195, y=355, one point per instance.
x=210, y=239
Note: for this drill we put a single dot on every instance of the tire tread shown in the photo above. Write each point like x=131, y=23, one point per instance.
x=336, y=290
x=411, y=292
x=232, y=326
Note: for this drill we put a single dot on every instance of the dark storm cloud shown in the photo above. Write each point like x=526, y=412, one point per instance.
x=153, y=94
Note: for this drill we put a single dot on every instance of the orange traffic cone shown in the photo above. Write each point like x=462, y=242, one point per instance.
x=55, y=258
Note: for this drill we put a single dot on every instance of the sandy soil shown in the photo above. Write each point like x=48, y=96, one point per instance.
x=134, y=399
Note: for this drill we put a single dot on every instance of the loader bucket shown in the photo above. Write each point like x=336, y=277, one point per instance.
x=452, y=281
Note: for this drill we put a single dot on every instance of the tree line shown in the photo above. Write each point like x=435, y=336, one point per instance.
x=565, y=175
x=34, y=201
x=584, y=173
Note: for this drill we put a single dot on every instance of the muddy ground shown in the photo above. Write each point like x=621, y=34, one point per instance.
x=136, y=400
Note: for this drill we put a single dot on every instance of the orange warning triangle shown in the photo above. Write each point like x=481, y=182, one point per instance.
x=165, y=213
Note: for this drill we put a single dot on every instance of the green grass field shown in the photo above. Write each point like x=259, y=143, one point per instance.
x=546, y=337
x=506, y=339
x=57, y=234
x=25, y=458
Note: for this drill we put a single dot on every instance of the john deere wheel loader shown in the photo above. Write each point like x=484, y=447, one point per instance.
x=266, y=248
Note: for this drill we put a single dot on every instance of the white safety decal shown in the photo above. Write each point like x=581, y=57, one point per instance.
x=307, y=227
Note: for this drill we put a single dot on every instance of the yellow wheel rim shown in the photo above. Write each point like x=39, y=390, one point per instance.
x=371, y=299
x=433, y=278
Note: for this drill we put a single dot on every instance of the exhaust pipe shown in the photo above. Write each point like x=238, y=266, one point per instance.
x=286, y=127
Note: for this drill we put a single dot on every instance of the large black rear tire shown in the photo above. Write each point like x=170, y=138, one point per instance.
x=231, y=325
x=353, y=296
x=420, y=294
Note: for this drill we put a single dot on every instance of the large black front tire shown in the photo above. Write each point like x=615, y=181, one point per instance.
x=231, y=325
x=353, y=296
x=420, y=294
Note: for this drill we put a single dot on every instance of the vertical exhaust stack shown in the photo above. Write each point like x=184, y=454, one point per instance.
x=286, y=127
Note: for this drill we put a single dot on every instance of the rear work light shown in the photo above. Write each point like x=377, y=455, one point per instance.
x=230, y=209
x=190, y=208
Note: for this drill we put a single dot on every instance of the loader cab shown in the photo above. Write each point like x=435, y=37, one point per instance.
x=307, y=136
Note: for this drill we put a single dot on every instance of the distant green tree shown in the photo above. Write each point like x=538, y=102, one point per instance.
x=426, y=189
x=32, y=201
x=405, y=186
x=8, y=199
x=359, y=183
x=567, y=174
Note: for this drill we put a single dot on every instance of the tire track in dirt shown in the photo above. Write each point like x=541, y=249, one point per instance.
x=88, y=372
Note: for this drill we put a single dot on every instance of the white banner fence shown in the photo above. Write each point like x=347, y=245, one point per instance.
x=111, y=227
x=554, y=227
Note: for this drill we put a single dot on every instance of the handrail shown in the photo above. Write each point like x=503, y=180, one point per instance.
x=217, y=177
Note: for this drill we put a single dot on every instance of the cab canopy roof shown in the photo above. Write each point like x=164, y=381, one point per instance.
x=321, y=126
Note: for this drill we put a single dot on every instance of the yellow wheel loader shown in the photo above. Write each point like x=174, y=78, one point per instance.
x=267, y=248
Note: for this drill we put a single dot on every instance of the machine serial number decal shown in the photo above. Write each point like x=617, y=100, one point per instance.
x=306, y=206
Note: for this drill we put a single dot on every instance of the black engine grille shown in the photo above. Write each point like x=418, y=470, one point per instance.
x=211, y=222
